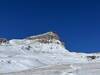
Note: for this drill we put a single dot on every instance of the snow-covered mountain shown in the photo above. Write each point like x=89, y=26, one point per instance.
x=18, y=56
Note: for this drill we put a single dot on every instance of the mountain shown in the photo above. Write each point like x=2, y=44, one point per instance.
x=41, y=53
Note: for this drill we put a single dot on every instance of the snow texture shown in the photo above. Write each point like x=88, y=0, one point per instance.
x=35, y=57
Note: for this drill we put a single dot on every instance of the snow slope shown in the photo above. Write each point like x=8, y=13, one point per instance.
x=44, y=53
x=62, y=69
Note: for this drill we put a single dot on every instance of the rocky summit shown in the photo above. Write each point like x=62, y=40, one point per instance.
x=48, y=37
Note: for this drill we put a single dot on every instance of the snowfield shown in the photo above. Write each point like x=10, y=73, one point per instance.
x=63, y=69
x=45, y=55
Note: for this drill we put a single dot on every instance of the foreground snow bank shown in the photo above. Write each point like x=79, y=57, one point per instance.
x=63, y=69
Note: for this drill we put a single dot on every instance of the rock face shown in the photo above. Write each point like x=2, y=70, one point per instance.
x=48, y=37
x=3, y=40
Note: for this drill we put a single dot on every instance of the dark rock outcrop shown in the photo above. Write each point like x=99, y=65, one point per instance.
x=92, y=57
x=3, y=40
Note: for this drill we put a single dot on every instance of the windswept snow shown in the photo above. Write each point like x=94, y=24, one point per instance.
x=46, y=56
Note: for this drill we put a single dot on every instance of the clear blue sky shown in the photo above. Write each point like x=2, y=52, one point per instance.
x=76, y=21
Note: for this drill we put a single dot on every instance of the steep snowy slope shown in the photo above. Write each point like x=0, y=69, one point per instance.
x=17, y=55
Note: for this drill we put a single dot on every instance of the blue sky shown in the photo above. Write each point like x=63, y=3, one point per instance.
x=76, y=21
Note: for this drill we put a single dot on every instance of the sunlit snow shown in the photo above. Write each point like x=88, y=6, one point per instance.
x=30, y=57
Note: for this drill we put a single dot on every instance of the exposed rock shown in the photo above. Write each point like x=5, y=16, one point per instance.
x=48, y=37
x=3, y=40
x=93, y=57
